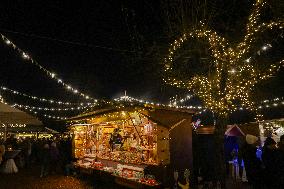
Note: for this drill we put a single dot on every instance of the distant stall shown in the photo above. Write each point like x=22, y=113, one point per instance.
x=137, y=146
x=11, y=117
x=273, y=128
x=31, y=131
x=263, y=129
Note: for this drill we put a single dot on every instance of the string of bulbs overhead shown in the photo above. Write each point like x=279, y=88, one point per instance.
x=126, y=98
x=50, y=101
x=51, y=109
x=50, y=74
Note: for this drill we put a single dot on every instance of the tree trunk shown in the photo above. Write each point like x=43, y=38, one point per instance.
x=220, y=168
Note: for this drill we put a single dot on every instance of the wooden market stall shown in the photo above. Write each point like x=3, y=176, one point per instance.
x=139, y=147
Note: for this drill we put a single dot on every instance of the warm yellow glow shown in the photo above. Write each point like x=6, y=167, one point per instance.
x=240, y=75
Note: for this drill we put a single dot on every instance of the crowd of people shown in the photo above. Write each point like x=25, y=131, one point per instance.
x=263, y=166
x=53, y=155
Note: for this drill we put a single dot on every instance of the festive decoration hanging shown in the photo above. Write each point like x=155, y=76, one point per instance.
x=230, y=85
x=51, y=101
x=126, y=98
x=259, y=105
x=54, y=117
x=174, y=101
x=51, y=109
x=44, y=115
x=13, y=125
x=50, y=74
x=270, y=104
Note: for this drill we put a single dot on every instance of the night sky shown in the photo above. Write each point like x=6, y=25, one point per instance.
x=104, y=60
x=105, y=47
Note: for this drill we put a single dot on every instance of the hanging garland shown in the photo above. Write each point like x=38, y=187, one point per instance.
x=50, y=74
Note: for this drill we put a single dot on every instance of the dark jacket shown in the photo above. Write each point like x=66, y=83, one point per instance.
x=54, y=153
x=45, y=156
x=252, y=164
x=269, y=158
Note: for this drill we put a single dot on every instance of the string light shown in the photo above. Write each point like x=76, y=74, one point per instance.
x=44, y=115
x=54, y=117
x=271, y=103
x=241, y=75
x=50, y=74
x=13, y=125
x=51, y=109
x=51, y=101
x=273, y=100
x=126, y=98
x=174, y=101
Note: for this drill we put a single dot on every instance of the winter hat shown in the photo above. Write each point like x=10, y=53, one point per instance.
x=269, y=141
x=251, y=139
x=53, y=144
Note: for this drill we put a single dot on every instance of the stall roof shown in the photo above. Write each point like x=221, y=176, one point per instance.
x=164, y=116
x=167, y=117
x=92, y=114
x=250, y=128
x=11, y=115
x=234, y=130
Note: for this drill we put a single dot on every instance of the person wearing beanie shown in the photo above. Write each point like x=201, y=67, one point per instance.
x=53, y=144
x=251, y=162
x=251, y=139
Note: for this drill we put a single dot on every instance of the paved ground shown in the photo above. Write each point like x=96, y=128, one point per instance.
x=29, y=179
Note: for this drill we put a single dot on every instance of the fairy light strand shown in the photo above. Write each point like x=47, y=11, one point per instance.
x=46, y=115
x=50, y=74
x=51, y=108
x=51, y=101
x=37, y=115
x=126, y=98
x=174, y=101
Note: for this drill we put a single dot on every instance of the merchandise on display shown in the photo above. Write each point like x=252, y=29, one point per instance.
x=123, y=144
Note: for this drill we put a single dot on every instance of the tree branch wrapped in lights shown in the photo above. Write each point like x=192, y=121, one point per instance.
x=234, y=76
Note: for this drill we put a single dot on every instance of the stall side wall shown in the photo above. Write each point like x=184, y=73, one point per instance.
x=181, y=147
x=163, y=147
